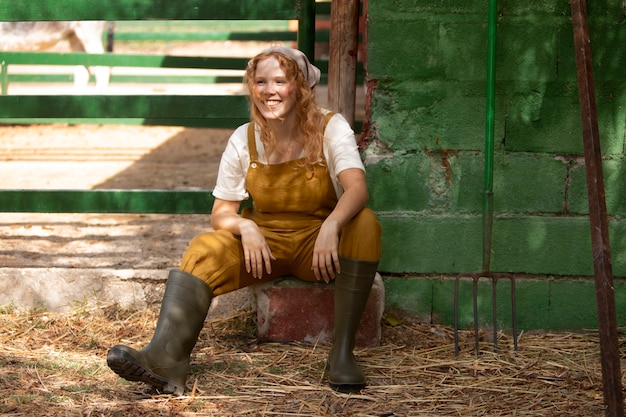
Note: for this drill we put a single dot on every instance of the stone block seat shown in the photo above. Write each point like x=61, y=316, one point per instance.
x=289, y=309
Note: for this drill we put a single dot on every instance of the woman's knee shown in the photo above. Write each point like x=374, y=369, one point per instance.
x=366, y=222
x=208, y=249
x=361, y=237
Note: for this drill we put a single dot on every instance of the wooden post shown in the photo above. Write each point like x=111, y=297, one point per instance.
x=344, y=38
x=605, y=296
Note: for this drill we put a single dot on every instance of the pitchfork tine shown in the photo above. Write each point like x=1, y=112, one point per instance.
x=456, y=315
x=494, y=282
x=514, y=313
x=476, y=338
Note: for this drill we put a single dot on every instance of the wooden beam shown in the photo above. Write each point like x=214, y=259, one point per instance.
x=344, y=37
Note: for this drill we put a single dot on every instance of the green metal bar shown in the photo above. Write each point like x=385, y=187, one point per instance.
x=189, y=111
x=4, y=75
x=205, y=36
x=116, y=10
x=134, y=79
x=41, y=78
x=323, y=8
x=123, y=60
x=136, y=106
x=105, y=201
x=217, y=123
x=306, y=29
x=158, y=26
x=489, y=137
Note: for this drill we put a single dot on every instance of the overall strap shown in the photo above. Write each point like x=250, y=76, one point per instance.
x=327, y=118
x=252, y=143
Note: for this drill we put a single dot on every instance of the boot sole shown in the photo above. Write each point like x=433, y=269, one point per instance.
x=128, y=368
x=346, y=388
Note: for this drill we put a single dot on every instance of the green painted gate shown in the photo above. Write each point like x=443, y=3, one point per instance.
x=177, y=110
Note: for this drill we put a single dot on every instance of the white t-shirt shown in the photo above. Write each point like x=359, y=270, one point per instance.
x=340, y=150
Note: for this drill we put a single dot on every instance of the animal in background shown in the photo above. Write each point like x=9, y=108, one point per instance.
x=83, y=36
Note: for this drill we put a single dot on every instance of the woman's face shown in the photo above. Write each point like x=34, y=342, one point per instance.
x=273, y=93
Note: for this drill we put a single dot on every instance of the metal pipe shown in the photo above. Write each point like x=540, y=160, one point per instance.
x=306, y=29
x=489, y=137
x=600, y=241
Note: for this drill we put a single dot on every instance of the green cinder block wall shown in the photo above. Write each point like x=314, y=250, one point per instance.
x=425, y=162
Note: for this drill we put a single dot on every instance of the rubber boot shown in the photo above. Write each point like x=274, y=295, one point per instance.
x=352, y=289
x=164, y=362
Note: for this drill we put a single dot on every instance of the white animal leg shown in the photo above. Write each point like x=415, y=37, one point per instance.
x=103, y=75
x=87, y=37
x=81, y=77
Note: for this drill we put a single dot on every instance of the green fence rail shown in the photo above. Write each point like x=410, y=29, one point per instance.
x=122, y=60
x=115, y=10
x=174, y=110
x=128, y=60
x=106, y=201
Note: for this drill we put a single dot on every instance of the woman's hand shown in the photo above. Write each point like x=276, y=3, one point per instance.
x=326, y=250
x=257, y=253
x=325, y=254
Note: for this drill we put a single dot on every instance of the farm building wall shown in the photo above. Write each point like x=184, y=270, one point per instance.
x=427, y=68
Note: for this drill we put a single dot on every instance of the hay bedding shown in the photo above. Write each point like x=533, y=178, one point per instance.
x=53, y=364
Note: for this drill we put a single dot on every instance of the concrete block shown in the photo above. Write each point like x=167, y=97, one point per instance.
x=292, y=310
x=572, y=304
x=614, y=183
x=425, y=243
x=399, y=183
x=64, y=289
x=542, y=245
x=533, y=183
x=410, y=295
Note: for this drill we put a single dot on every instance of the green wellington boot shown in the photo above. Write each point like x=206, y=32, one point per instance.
x=352, y=289
x=164, y=362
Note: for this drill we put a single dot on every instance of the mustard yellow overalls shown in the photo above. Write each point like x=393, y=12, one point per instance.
x=290, y=203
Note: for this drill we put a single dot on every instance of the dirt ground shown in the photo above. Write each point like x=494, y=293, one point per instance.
x=54, y=365
x=109, y=156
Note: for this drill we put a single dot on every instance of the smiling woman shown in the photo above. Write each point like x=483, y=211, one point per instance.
x=301, y=166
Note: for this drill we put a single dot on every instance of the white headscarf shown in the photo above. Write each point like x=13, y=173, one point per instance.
x=311, y=72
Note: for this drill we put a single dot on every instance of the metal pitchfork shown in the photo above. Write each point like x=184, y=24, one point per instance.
x=494, y=281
